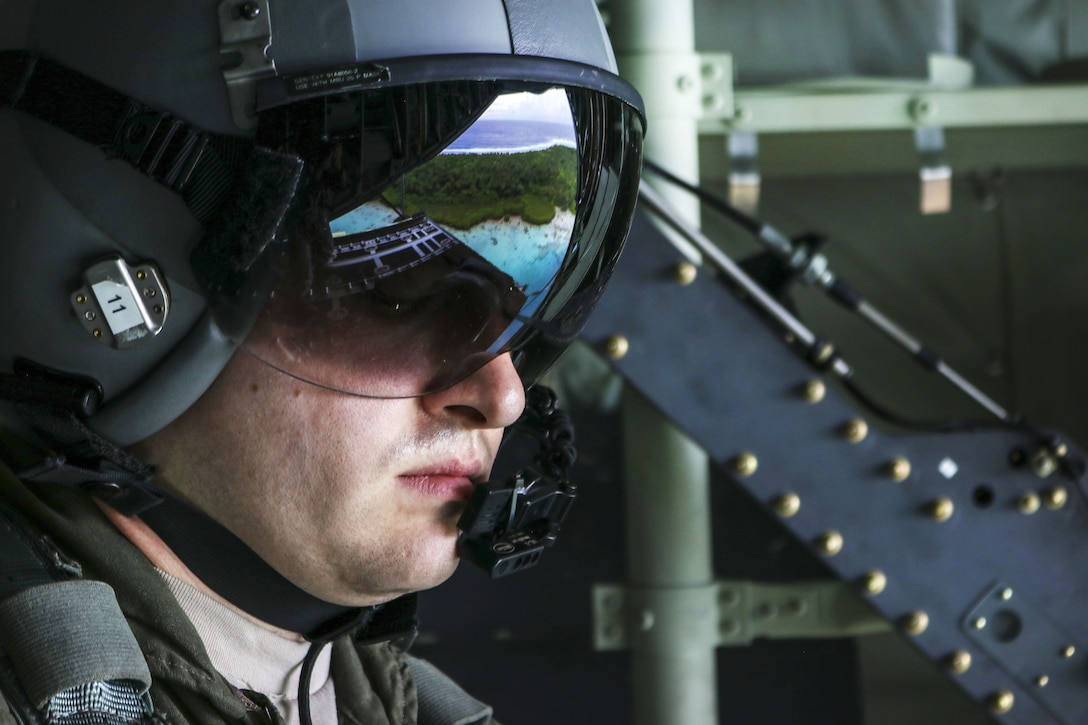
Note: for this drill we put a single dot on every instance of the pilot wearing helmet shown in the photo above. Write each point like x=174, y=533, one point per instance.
x=278, y=275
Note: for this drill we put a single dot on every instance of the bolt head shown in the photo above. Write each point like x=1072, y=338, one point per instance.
x=898, y=469
x=915, y=622
x=1028, y=503
x=685, y=273
x=958, y=662
x=814, y=391
x=1001, y=701
x=1043, y=463
x=616, y=346
x=787, y=504
x=745, y=464
x=855, y=430
x=1055, y=497
x=941, y=509
x=830, y=542
x=874, y=582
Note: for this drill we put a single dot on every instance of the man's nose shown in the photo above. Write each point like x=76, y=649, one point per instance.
x=491, y=397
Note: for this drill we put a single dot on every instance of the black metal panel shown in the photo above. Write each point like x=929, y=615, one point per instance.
x=727, y=378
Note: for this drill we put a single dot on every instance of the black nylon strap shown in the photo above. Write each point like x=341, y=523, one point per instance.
x=26, y=561
x=198, y=165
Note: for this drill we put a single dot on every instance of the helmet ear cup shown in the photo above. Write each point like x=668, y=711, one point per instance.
x=66, y=207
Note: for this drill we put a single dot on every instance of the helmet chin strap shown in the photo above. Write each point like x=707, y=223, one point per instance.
x=234, y=571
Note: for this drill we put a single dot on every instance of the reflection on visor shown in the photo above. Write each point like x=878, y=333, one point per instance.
x=404, y=287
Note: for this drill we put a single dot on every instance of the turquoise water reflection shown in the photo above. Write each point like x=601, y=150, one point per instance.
x=530, y=253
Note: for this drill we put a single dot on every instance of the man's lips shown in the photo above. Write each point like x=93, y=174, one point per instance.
x=447, y=481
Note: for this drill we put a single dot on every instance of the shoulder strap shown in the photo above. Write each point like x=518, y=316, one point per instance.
x=66, y=651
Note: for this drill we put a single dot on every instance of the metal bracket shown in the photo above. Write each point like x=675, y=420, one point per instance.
x=1044, y=660
x=245, y=35
x=696, y=86
x=120, y=305
x=727, y=613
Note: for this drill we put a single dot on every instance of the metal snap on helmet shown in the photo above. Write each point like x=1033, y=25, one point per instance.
x=414, y=186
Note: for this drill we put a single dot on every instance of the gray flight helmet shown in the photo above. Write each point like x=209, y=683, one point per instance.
x=67, y=204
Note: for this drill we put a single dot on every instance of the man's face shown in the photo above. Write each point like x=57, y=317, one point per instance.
x=353, y=499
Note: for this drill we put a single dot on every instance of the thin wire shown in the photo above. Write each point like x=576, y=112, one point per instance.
x=304, y=682
x=781, y=246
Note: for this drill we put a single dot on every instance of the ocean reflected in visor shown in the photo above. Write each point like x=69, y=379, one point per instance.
x=437, y=273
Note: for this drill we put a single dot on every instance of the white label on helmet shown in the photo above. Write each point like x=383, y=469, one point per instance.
x=119, y=306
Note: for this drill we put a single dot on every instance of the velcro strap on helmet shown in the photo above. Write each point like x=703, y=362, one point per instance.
x=198, y=165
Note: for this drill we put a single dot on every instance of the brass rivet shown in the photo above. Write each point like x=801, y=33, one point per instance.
x=1068, y=651
x=1028, y=503
x=616, y=346
x=958, y=661
x=979, y=623
x=1043, y=463
x=941, y=509
x=1041, y=681
x=745, y=464
x=874, y=582
x=787, y=504
x=916, y=622
x=898, y=469
x=855, y=430
x=1001, y=701
x=823, y=353
x=157, y=309
x=1055, y=497
x=96, y=332
x=81, y=299
x=814, y=391
x=684, y=273
x=1006, y=594
x=830, y=542
x=140, y=274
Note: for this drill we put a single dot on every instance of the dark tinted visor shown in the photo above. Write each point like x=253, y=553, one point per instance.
x=442, y=225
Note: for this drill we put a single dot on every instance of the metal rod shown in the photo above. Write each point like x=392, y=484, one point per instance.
x=874, y=317
x=728, y=268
